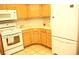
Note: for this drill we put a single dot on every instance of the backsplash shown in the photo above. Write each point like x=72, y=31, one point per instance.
x=33, y=22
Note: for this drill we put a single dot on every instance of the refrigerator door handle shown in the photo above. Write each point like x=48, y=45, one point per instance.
x=65, y=41
x=53, y=17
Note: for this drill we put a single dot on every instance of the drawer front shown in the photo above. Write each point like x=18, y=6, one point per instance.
x=63, y=47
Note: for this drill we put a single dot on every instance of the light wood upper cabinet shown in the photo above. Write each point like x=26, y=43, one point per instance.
x=10, y=6
x=21, y=11
x=2, y=7
x=45, y=10
x=25, y=11
x=34, y=10
x=39, y=10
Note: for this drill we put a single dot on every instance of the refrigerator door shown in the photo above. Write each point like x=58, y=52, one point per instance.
x=64, y=47
x=64, y=21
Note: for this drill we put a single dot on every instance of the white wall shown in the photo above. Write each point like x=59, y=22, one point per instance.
x=34, y=22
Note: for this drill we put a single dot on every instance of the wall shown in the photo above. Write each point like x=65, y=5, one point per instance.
x=34, y=22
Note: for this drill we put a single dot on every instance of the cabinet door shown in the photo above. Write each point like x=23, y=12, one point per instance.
x=34, y=10
x=43, y=37
x=21, y=11
x=26, y=38
x=49, y=40
x=35, y=36
x=45, y=10
x=2, y=7
x=10, y=6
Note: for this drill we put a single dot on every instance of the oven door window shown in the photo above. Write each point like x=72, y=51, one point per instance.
x=11, y=40
x=16, y=39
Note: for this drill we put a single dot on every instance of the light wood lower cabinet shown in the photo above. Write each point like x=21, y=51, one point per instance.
x=43, y=37
x=32, y=36
x=26, y=37
x=36, y=36
x=49, y=39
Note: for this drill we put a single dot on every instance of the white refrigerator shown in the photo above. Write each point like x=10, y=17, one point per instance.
x=64, y=22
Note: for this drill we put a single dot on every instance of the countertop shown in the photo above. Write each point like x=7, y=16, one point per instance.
x=30, y=27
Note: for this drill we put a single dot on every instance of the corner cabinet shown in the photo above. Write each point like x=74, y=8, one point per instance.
x=37, y=36
x=49, y=38
x=43, y=37
x=39, y=10
x=45, y=10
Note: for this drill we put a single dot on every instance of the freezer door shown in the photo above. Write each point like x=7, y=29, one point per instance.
x=64, y=21
x=63, y=46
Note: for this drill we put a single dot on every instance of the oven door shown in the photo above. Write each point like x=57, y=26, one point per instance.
x=12, y=41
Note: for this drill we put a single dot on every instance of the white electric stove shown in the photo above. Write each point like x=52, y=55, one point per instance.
x=10, y=36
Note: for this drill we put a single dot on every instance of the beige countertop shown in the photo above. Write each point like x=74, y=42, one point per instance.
x=30, y=27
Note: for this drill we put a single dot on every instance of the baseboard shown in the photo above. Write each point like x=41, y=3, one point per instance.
x=38, y=44
x=31, y=45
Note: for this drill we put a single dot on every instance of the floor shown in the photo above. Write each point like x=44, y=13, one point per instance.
x=35, y=50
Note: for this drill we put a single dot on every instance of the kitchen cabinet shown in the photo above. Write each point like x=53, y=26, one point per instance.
x=45, y=10
x=2, y=7
x=28, y=10
x=43, y=37
x=31, y=36
x=21, y=10
x=34, y=10
x=48, y=37
x=10, y=6
x=35, y=36
x=26, y=37
x=1, y=46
